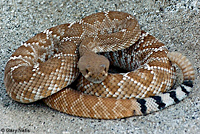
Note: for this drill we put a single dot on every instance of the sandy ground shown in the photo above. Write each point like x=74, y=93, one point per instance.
x=174, y=22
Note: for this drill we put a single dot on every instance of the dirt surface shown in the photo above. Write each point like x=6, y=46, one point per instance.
x=176, y=23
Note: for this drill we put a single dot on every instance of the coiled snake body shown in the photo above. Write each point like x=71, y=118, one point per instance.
x=45, y=66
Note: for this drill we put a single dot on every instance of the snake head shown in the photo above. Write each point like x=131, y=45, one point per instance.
x=94, y=67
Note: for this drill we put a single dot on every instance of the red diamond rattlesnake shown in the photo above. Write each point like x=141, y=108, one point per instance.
x=45, y=66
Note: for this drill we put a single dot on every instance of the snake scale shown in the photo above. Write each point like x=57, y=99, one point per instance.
x=48, y=67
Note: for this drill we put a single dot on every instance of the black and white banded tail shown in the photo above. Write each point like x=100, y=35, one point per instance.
x=163, y=100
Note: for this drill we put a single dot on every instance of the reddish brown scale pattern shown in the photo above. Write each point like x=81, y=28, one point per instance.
x=98, y=17
x=22, y=74
x=103, y=108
